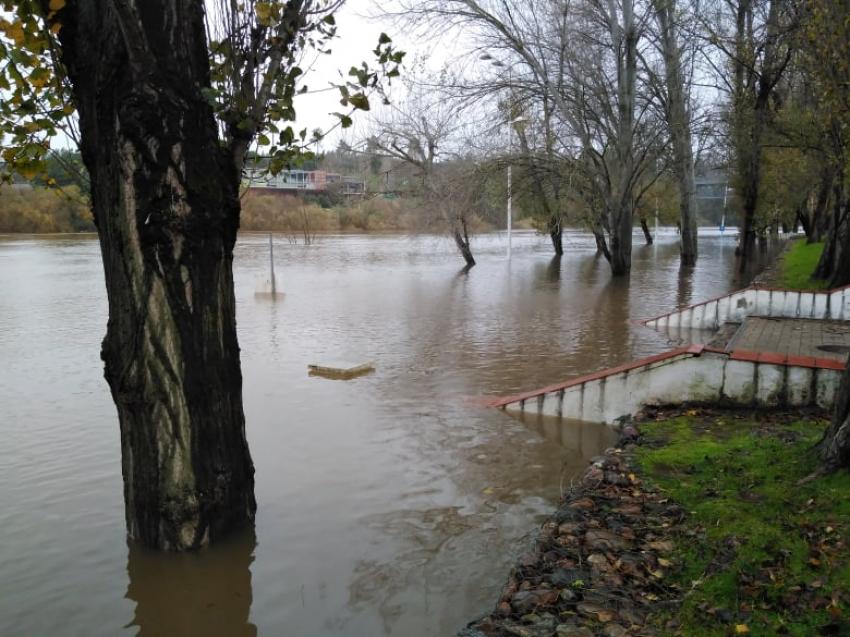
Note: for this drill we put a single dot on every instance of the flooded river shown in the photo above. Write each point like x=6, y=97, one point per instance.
x=388, y=505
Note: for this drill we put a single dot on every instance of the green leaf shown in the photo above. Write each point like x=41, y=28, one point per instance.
x=384, y=39
x=359, y=101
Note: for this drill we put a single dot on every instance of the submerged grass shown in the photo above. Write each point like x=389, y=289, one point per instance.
x=758, y=554
x=798, y=265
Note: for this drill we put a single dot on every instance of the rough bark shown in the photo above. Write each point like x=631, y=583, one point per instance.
x=622, y=171
x=461, y=237
x=166, y=205
x=556, y=234
x=647, y=235
x=818, y=220
x=753, y=89
x=835, y=446
x=601, y=244
x=679, y=125
x=834, y=264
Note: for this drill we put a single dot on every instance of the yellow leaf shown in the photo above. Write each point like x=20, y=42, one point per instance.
x=27, y=171
x=742, y=629
x=55, y=28
x=56, y=5
x=16, y=32
x=264, y=12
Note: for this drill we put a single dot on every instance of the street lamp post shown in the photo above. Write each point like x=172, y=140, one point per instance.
x=511, y=124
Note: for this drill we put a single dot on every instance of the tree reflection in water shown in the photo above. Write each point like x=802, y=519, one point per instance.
x=206, y=593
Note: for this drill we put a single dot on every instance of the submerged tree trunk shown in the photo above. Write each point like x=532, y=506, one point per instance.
x=461, y=237
x=556, y=234
x=749, y=170
x=601, y=244
x=647, y=235
x=621, y=242
x=620, y=208
x=679, y=124
x=166, y=205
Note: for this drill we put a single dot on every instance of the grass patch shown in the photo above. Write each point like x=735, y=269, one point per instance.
x=798, y=265
x=758, y=554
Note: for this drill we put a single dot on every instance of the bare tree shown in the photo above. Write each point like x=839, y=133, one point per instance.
x=675, y=99
x=582, y=57
x=422, y=131
x=755, y=39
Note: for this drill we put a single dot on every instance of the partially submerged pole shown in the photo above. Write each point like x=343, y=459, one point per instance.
x=271, y=263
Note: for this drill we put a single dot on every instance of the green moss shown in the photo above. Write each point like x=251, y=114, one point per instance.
x=798, y=265
x=757, y=548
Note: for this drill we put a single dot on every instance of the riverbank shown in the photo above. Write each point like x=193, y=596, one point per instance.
x=694, y=525
x=794, y=267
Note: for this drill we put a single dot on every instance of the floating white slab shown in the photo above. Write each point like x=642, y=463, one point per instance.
x=341, y=370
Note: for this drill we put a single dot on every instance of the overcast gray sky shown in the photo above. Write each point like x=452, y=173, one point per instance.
x=358, y=36
x=359, y=26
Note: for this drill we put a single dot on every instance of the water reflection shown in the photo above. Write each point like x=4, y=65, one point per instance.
x=206, y=593
x=582, y=440
x=388, y=505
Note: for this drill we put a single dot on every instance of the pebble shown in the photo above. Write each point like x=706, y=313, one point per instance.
x=525, y=601
x=570, y=630
x=613, y=630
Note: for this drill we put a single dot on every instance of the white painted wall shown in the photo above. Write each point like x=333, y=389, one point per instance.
x=736, y=306
x=709, y=377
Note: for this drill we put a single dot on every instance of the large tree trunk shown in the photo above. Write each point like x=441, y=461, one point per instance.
x=556, y=234
x=835, y=446
x=749, y=171
x=834, y=264
x=679, y=124
x=621, y=241
x=751, y=110
x=601, y=243
x=819, y=219
x=622, y=171
x=166, y=205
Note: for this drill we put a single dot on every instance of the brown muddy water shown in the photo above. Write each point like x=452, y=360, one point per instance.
x=388, y=505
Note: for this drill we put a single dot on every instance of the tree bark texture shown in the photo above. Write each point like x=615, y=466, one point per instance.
x=620, y=209
x=818, y=220
x=834, y=264
x=647, y=235
x=461, y=237
x=166, y=205
x=835, y=446
x=556, y=234
x=679, y=125
x=751, y=109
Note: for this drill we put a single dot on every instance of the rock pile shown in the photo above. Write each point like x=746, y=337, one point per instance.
x=599, y=564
